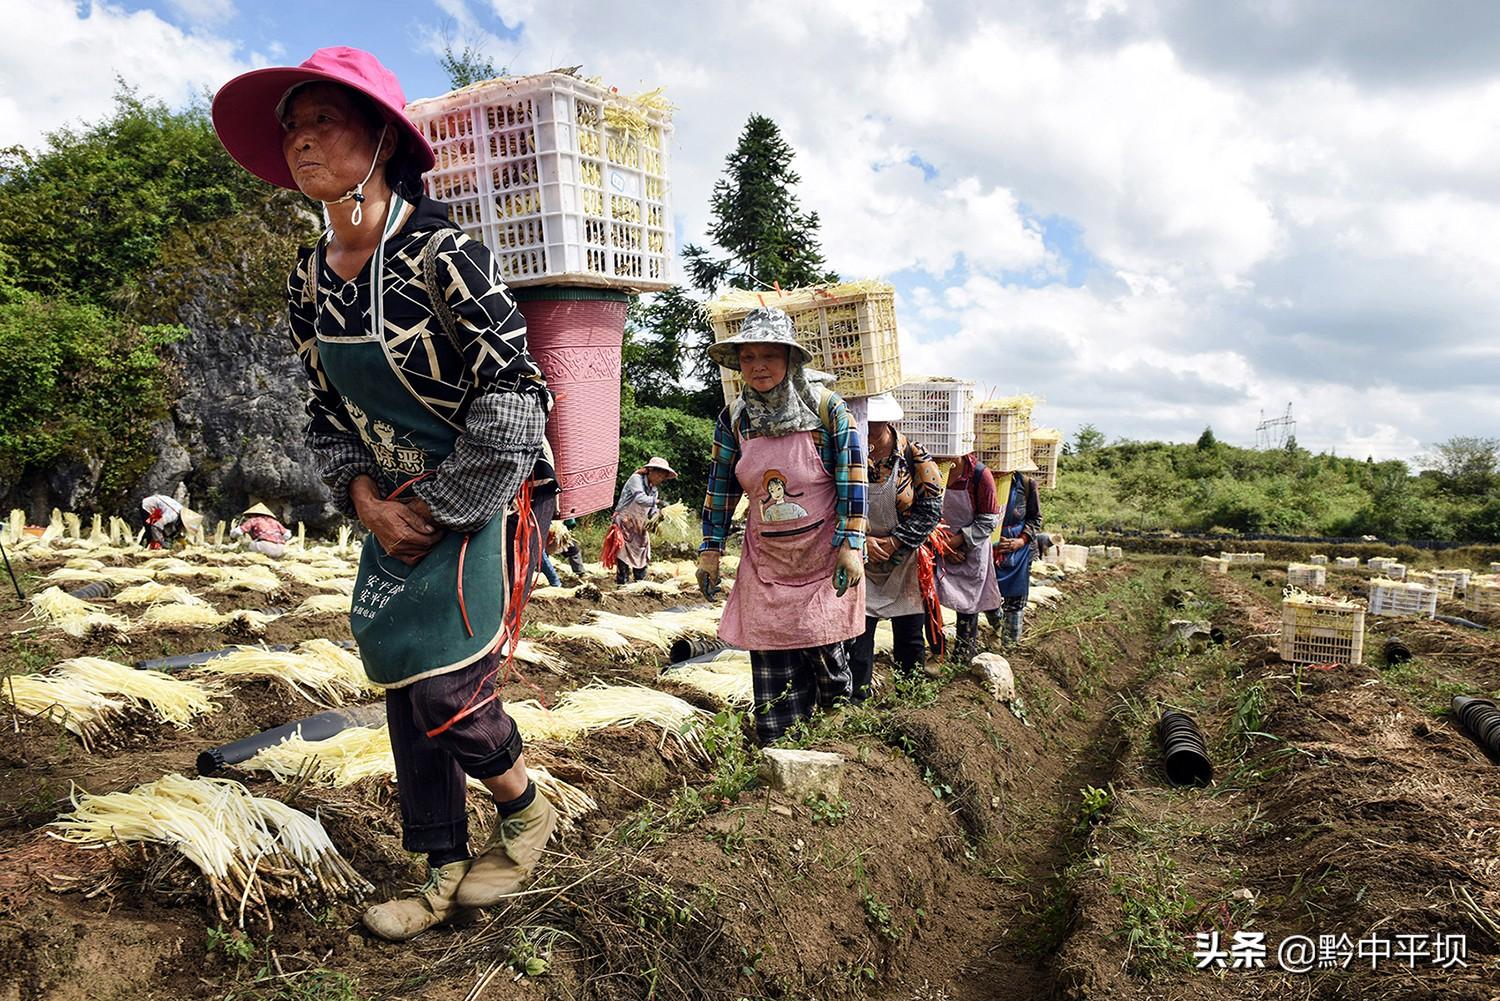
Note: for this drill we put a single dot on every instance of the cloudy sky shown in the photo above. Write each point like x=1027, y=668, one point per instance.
x=1154, y=214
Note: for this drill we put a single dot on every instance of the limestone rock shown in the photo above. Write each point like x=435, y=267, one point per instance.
x=993, y=672
x=801, y=774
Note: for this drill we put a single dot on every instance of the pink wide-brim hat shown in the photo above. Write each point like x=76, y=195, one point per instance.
x=658, y=463
x=245, y=108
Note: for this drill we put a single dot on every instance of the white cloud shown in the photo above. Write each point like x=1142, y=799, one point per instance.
x=57, y=68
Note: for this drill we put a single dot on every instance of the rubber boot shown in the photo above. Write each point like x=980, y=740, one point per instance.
x=965, y=639
x=509, y=855
x=434, y=904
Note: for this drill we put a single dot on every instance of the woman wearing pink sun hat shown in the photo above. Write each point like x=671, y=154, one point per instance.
x=427, y=415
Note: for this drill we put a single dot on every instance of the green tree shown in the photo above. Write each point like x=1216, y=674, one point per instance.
x=86, y=215
x=1466, y=466
x=470, y=65
x=1206, y=440
x=1087, y=439
x=757, y=221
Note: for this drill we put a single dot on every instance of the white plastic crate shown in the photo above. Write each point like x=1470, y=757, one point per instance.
x=1098, y=552
x=1318, y=560
x=564, y=180
x=1395, y=571
x=1002, y=436
x=1046, y=446
x=1379, y=562
x=1345, y=562
x=1460, y=579
x=1214, y=564
x=1074, y=557
x=1115, y=553
x=1306, y=576
x=850, y=330
x=1392, y=597
x=1483, y=597
x=938, y=414
x=1241, y=559
x=1321, y=631
x=1495, y=568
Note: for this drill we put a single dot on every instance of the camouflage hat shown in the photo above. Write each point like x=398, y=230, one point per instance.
x=763, y=326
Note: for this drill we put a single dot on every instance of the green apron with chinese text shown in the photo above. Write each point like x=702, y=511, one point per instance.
x=409, y=621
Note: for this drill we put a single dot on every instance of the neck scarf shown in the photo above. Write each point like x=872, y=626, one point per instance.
x=791, y=406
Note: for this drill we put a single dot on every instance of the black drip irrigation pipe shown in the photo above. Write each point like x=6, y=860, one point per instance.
x=687, y=647
x=1481, y=718
x=1396, y=652
x=1454, y=620
x=177, y=663
x=98, y=589
x=1183, y=751
x=318, y=727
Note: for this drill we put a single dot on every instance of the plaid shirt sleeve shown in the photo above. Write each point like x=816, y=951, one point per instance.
x=723, y=489
x=844, y=458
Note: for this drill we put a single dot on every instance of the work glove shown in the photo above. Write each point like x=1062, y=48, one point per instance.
x=850, y=570
x=653, y=521
x=708, y=573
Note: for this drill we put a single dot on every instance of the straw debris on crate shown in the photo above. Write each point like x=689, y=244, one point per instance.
x=937, y=413
x=1393, y=597
x=559, y=175
x=849, y=328
x=249, y=849
x=363, y=752
x=1317, y=629
x=1002, y=433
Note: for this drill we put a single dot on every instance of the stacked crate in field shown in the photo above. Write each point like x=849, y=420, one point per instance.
x=1345, y=562
x=566, y=181
x=1483, y=596
x=1393, y=597
x=1459, y=581
x=1306, y=576
x=1214, y=564
x=849, y=328
x=1318, y=560
x=1321, y=630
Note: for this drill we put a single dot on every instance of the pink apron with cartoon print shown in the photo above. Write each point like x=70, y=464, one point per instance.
x=783, y=597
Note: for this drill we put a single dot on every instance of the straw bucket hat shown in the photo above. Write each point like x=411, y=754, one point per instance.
x=766, y=325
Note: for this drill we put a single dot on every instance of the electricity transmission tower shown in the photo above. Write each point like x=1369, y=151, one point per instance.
x=1273, y=433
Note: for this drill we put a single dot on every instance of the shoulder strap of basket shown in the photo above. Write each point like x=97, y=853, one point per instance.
x=825, y=412
x=440, y=306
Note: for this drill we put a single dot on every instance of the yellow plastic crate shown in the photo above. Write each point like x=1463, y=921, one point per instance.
x=1321, y=631
x=1046, y=446
x=1002, y=436
x=850, y=330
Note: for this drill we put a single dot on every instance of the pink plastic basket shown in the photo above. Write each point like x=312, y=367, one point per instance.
x=575, y=336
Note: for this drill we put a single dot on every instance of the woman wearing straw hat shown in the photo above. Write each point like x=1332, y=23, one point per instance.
x=799, y=593
x=636, y=516
x=261, y=531
x=427, y=416
x=905, y=495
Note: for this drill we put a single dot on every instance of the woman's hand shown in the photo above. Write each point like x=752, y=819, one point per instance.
x=404, y=529
x=1006, y=545
x=849, y=569
x=880, y=548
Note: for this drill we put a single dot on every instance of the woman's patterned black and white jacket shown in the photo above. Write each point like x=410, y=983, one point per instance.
x=493, y=394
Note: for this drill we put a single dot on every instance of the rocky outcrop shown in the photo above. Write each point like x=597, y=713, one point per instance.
x=235, y=433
